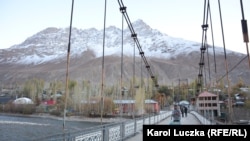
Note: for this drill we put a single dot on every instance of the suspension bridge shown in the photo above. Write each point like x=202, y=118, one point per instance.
x=131, y=129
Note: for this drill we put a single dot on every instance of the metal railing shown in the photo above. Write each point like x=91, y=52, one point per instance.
x=109, y=132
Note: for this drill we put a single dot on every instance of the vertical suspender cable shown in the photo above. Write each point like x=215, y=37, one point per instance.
x=67, y=71
x=141, y=90
x=141, y=73
x=121, y=88
x=245, y=38
x=133, y=87
x=122, y=54
x=215, y=68
x=209, y=10
x=102, y=87
x=134, y=68
x=226, y=65
x=206, y=46
x=203, y=49
x=245, y=31
x=200, y=75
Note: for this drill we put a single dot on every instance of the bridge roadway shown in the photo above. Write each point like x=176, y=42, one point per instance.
x=189, y=120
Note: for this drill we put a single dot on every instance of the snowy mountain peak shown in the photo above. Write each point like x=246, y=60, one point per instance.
x=51, y=44
x=140, y=23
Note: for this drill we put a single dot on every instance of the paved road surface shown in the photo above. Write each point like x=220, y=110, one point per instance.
x=189, y=120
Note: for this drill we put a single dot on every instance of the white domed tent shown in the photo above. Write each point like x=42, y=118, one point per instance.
x=23, y=100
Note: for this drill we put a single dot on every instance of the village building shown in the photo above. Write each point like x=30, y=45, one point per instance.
x=208, y=104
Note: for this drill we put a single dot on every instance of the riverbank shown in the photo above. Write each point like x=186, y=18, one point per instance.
x=80, y=118
x=68, y=118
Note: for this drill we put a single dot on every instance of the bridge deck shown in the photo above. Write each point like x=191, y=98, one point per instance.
x=189, y=120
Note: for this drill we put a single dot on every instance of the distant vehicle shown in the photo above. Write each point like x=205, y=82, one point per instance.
x=239, y=103
x=239, y=97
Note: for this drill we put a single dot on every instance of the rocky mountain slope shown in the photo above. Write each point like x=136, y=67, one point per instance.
x=43, y=55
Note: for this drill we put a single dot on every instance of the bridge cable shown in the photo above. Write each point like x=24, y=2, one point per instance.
x=67, y=71
x=214, y=56
x=207, y=16
x=134, y=36
x=232, y=68
x=133, y=86
x=206, y=45
x=121, y=83
x=245, y=38
x=209, y=10
x=226, y=64
x=104, y=35
x=203, y=49
x=245, y=31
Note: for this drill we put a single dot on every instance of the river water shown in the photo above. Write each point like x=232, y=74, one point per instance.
x=23, y=128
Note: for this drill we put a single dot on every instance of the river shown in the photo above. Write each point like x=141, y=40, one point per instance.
x=25, y=128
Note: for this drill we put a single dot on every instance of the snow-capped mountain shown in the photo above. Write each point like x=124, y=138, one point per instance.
x=51, y=44
x=44, y=55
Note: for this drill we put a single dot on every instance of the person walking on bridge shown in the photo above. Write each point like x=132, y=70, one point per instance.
x=182, y=110
x=176, y=115
x=185, y=110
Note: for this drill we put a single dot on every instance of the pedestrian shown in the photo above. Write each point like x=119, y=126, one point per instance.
x=176, y=115
x=185, y=110
x=182, y=111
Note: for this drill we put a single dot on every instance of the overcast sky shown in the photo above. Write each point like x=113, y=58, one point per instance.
x=21, y=19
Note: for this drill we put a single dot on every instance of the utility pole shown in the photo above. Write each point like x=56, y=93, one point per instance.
x=180, y=80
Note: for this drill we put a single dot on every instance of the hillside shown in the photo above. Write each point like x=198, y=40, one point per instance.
x=43, y=55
